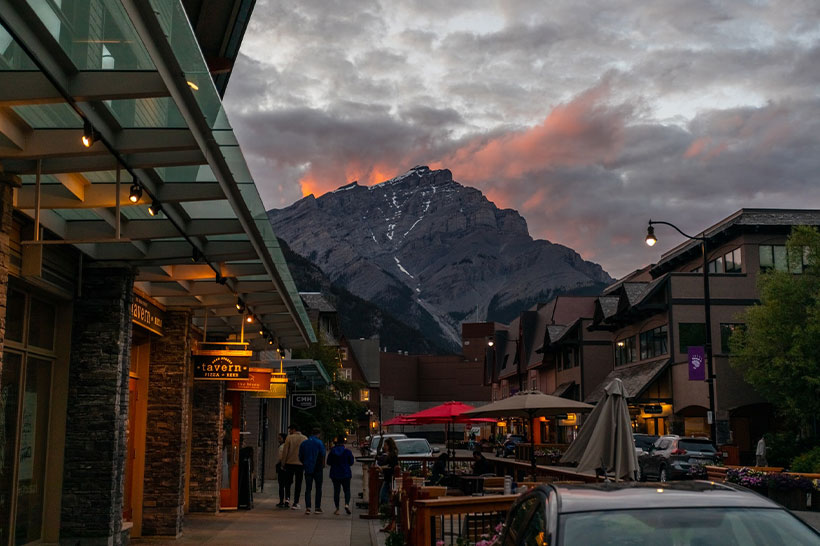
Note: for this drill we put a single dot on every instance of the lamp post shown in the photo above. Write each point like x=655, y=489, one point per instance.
x=710, y=375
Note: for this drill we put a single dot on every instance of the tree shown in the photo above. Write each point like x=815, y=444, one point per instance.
x=335, y=412
x=778, y=352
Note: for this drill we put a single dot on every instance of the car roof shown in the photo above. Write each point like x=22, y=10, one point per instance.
x=631, y=495
x=410, y=440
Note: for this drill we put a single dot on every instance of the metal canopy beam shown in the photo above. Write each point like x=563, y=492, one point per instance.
x=45, y=143
x=92, y=196
x=33, y=87
x=152, y=229
x=106, y=162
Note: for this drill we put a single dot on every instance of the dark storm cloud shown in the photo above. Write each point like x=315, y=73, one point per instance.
x=587, y=117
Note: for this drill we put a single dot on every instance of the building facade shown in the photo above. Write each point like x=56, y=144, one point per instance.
x=131, y=233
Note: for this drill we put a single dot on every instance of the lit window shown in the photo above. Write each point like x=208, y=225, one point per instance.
x=364, y=395
x=346, y=373
x=343, y=353
x=625, y=351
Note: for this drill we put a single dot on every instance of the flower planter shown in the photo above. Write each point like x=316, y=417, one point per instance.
x=793, y=499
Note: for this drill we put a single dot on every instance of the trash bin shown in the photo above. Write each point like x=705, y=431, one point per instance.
x=245, y=478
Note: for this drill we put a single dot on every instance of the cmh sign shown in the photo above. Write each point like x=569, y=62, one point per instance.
x=303, y=401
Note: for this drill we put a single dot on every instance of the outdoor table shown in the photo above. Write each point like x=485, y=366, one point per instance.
x=471, y=484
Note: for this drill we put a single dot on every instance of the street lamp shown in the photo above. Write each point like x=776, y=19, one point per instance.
x=710, y=375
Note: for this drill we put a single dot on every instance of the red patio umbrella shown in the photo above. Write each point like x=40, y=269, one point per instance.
x=447, y=413
x=399, y=420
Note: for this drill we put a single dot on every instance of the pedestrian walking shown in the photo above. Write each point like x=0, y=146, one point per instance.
x=282, y=475
x=340, y=459
x=760, y=453
x=312, y=454
x=390, y=461
x=293, y=466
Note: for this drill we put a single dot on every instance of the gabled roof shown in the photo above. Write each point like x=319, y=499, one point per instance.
x=744, y=220
x=316, y=301
x=608, y=305
x=636, y=378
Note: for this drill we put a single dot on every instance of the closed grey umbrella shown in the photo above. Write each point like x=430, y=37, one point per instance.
x=529, y=404
x=605, y=439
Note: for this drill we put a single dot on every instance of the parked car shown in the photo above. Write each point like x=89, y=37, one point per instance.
x=693, y=513
x=507, y=449
x=642, y=444
x=376, y=443
x=415, y=447
x=671, y=457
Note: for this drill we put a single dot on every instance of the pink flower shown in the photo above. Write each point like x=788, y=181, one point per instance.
x=439, y=543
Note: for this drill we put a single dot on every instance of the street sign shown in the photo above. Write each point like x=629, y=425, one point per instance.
x=303, y=401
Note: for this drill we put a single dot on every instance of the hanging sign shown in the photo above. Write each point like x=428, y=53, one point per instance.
x=220, y=362
x=653, y=409
x=278, y=386
x=303, y=401
x=258, y=381
x=697, y=363
x=146, y=314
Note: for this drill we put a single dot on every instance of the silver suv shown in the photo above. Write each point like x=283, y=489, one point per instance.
x=672, y=457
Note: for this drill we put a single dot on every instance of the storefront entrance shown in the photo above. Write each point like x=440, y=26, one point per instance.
x=229, y=493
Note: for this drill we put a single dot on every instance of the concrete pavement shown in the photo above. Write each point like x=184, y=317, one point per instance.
x=266, y=524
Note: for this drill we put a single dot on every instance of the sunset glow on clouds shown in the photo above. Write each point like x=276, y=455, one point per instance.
x=587, y=119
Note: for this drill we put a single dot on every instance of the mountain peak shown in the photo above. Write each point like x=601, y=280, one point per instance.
x=430, y=250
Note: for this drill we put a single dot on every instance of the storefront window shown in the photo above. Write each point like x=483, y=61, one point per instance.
x=9, y=398
x=31, y=461
x=25, y=395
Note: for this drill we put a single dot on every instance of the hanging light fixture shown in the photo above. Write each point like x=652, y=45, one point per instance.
x=240, y=305
x=136, y=193
x=249, y=319
x=650, y=236
x=89, y=135
x=155, y=208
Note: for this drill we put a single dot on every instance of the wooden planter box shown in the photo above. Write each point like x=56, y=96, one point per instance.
x=793, y=499
x=716, y=473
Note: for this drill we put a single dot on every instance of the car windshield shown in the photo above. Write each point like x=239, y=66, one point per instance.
x=685, y=527
x=645, y=442
x=374, y=443
x=412, y=447
x=696, y=445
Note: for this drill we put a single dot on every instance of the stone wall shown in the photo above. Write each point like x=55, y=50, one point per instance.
x=6, y=208
x=206, y=446
x=97, y=409
x=167, y=431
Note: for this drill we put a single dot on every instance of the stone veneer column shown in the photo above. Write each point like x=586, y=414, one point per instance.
x=167, y=427
x=97, y=409
x=206, y=446
x=6, y=207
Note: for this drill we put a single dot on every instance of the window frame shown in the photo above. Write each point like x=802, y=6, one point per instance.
x=654, y=342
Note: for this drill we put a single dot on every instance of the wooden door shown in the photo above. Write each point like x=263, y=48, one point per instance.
x=229, y=494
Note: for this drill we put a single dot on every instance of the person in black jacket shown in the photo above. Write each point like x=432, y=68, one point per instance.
x=481, y=465
x=439, y=468
x=388, y=465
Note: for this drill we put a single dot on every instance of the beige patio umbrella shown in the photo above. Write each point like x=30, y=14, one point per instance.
x=529, y=404
x=605, y=439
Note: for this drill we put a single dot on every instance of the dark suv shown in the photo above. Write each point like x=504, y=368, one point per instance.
x=671, y=457
x=692, y=513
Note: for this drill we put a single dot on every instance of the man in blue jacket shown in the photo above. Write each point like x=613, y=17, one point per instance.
x=312, y=454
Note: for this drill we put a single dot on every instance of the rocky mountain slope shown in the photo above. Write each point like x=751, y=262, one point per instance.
x=431, y=252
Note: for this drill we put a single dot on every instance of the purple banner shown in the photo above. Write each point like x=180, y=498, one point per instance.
x=697, y=364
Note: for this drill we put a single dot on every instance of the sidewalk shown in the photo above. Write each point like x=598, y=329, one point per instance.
x=266, y=524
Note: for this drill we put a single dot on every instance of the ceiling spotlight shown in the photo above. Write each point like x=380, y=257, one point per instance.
x=135, y=193
x=155, y=208
x=270, y=342
x=240, y=305
x=261, y=332
x=650, y=236
x=89, y=135
x=192, y=85
x=196, y=255
x=249, y=319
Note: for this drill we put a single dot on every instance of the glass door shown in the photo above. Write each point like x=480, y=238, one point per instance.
x=9, y=406
x=229, y=493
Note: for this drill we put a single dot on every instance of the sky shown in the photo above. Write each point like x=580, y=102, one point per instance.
x=588, y=117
